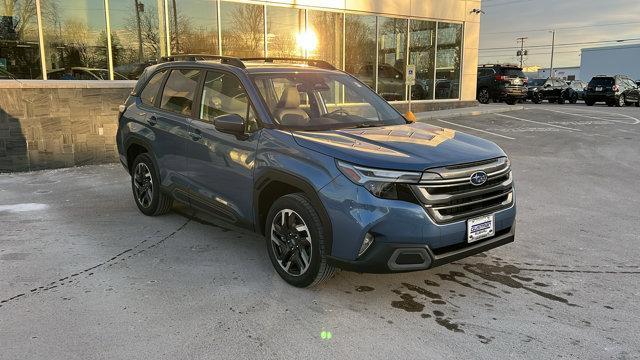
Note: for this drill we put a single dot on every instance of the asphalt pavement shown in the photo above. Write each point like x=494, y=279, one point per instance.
x=84, y=275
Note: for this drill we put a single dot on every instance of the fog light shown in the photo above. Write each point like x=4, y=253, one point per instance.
x=366, y=242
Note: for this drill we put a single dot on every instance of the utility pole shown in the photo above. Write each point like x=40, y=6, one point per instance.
x=553, y=47
x=521, y=53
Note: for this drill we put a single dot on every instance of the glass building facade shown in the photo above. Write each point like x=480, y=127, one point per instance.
x=117, y=39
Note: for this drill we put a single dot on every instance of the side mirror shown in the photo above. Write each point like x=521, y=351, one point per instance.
x=410, y=117
x=230, y=124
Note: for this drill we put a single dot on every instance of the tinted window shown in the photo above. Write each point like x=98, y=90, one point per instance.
x=602, y=81
x=224, y=94
x=150, y=91
x=536, y=82
x=180, y=90
x=513, y=72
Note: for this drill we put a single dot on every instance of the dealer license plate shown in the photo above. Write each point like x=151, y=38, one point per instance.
x=480, y=228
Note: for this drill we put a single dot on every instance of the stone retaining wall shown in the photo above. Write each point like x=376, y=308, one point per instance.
x=53, y=124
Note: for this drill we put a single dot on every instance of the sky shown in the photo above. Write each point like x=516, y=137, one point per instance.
x=577, y=22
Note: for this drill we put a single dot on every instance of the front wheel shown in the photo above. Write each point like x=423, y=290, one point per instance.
x=621, y=101
x=145, y=184
x=297, y=241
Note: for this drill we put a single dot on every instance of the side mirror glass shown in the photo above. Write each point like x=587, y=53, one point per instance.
x=230, y=124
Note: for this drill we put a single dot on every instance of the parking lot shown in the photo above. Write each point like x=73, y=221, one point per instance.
x=85, y=275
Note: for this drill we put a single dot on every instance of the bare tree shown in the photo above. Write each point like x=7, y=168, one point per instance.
x=246, y=35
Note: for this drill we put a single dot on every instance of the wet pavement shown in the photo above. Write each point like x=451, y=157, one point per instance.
x=84, y=275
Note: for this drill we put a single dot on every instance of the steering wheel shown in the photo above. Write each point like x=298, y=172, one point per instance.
x=339, y=111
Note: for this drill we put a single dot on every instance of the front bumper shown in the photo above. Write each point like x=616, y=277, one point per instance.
x=391, y=258
x=398, y=227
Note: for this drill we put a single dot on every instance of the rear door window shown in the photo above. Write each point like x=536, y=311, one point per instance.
x=150, y=92
x=180, y=91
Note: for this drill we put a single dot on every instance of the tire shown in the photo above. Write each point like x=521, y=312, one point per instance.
x=621, y=101
x=145, y=185
x=589, y=102
x=289, y=245
x=574, y=99
x=610, y=104
x=511, y=101
x=483, y=96
x=560, y=100
x=536, y=99
x=638, y=103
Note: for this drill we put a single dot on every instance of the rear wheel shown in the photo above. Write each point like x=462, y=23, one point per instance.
x=296, y=242
x=574, y=98
x=589, y=102
x=510, y=101
x=483, y=96
x=145, y=184
x=638, y=103
x=560, y=100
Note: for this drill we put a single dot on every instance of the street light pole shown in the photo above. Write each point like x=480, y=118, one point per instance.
x=553, y=47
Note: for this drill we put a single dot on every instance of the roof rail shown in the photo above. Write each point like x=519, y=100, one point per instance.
x=311, y=62
x=199, y=57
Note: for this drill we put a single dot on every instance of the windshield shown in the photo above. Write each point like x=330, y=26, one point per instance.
x=537, y=82
x=322, y=101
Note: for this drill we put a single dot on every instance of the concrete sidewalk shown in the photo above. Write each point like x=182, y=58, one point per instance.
x=467, y=111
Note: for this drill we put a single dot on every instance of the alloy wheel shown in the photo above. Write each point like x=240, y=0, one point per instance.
x=291, y=242
x=143, y=183
x=483, y=97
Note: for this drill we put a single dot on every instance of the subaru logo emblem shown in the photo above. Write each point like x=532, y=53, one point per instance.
x=478, y=178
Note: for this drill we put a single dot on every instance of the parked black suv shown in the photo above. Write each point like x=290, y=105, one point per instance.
x=501, y=83
x=555, y=90
x=618, y=90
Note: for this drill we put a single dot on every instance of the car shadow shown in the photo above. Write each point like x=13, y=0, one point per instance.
x=14, y=154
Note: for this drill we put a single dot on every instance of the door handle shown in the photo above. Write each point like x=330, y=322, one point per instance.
x=152, y=121
x=196, y=135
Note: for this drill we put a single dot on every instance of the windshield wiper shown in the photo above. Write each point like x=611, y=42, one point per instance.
x=367, y=125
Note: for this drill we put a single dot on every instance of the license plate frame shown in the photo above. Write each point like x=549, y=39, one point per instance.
x=480, y=228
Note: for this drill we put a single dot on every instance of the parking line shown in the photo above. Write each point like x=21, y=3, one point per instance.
x=636, y=121
x=538, y=122
x=469, y=127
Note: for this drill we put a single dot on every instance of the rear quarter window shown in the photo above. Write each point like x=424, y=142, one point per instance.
x=150, y=92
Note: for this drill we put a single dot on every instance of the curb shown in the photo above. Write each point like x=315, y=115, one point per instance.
x=475, y=111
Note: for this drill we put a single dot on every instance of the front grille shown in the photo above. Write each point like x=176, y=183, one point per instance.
x=453, y=197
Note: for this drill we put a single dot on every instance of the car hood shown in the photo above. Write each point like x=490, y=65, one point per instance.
x=411, y=147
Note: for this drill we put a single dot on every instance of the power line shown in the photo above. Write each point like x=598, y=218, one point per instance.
x=565, y=44
x=563, y=28
x=505, y=3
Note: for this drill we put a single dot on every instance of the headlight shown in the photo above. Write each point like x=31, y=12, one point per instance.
x=386, y=184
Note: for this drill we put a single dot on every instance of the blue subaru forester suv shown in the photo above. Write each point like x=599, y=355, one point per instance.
x=310, y=157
